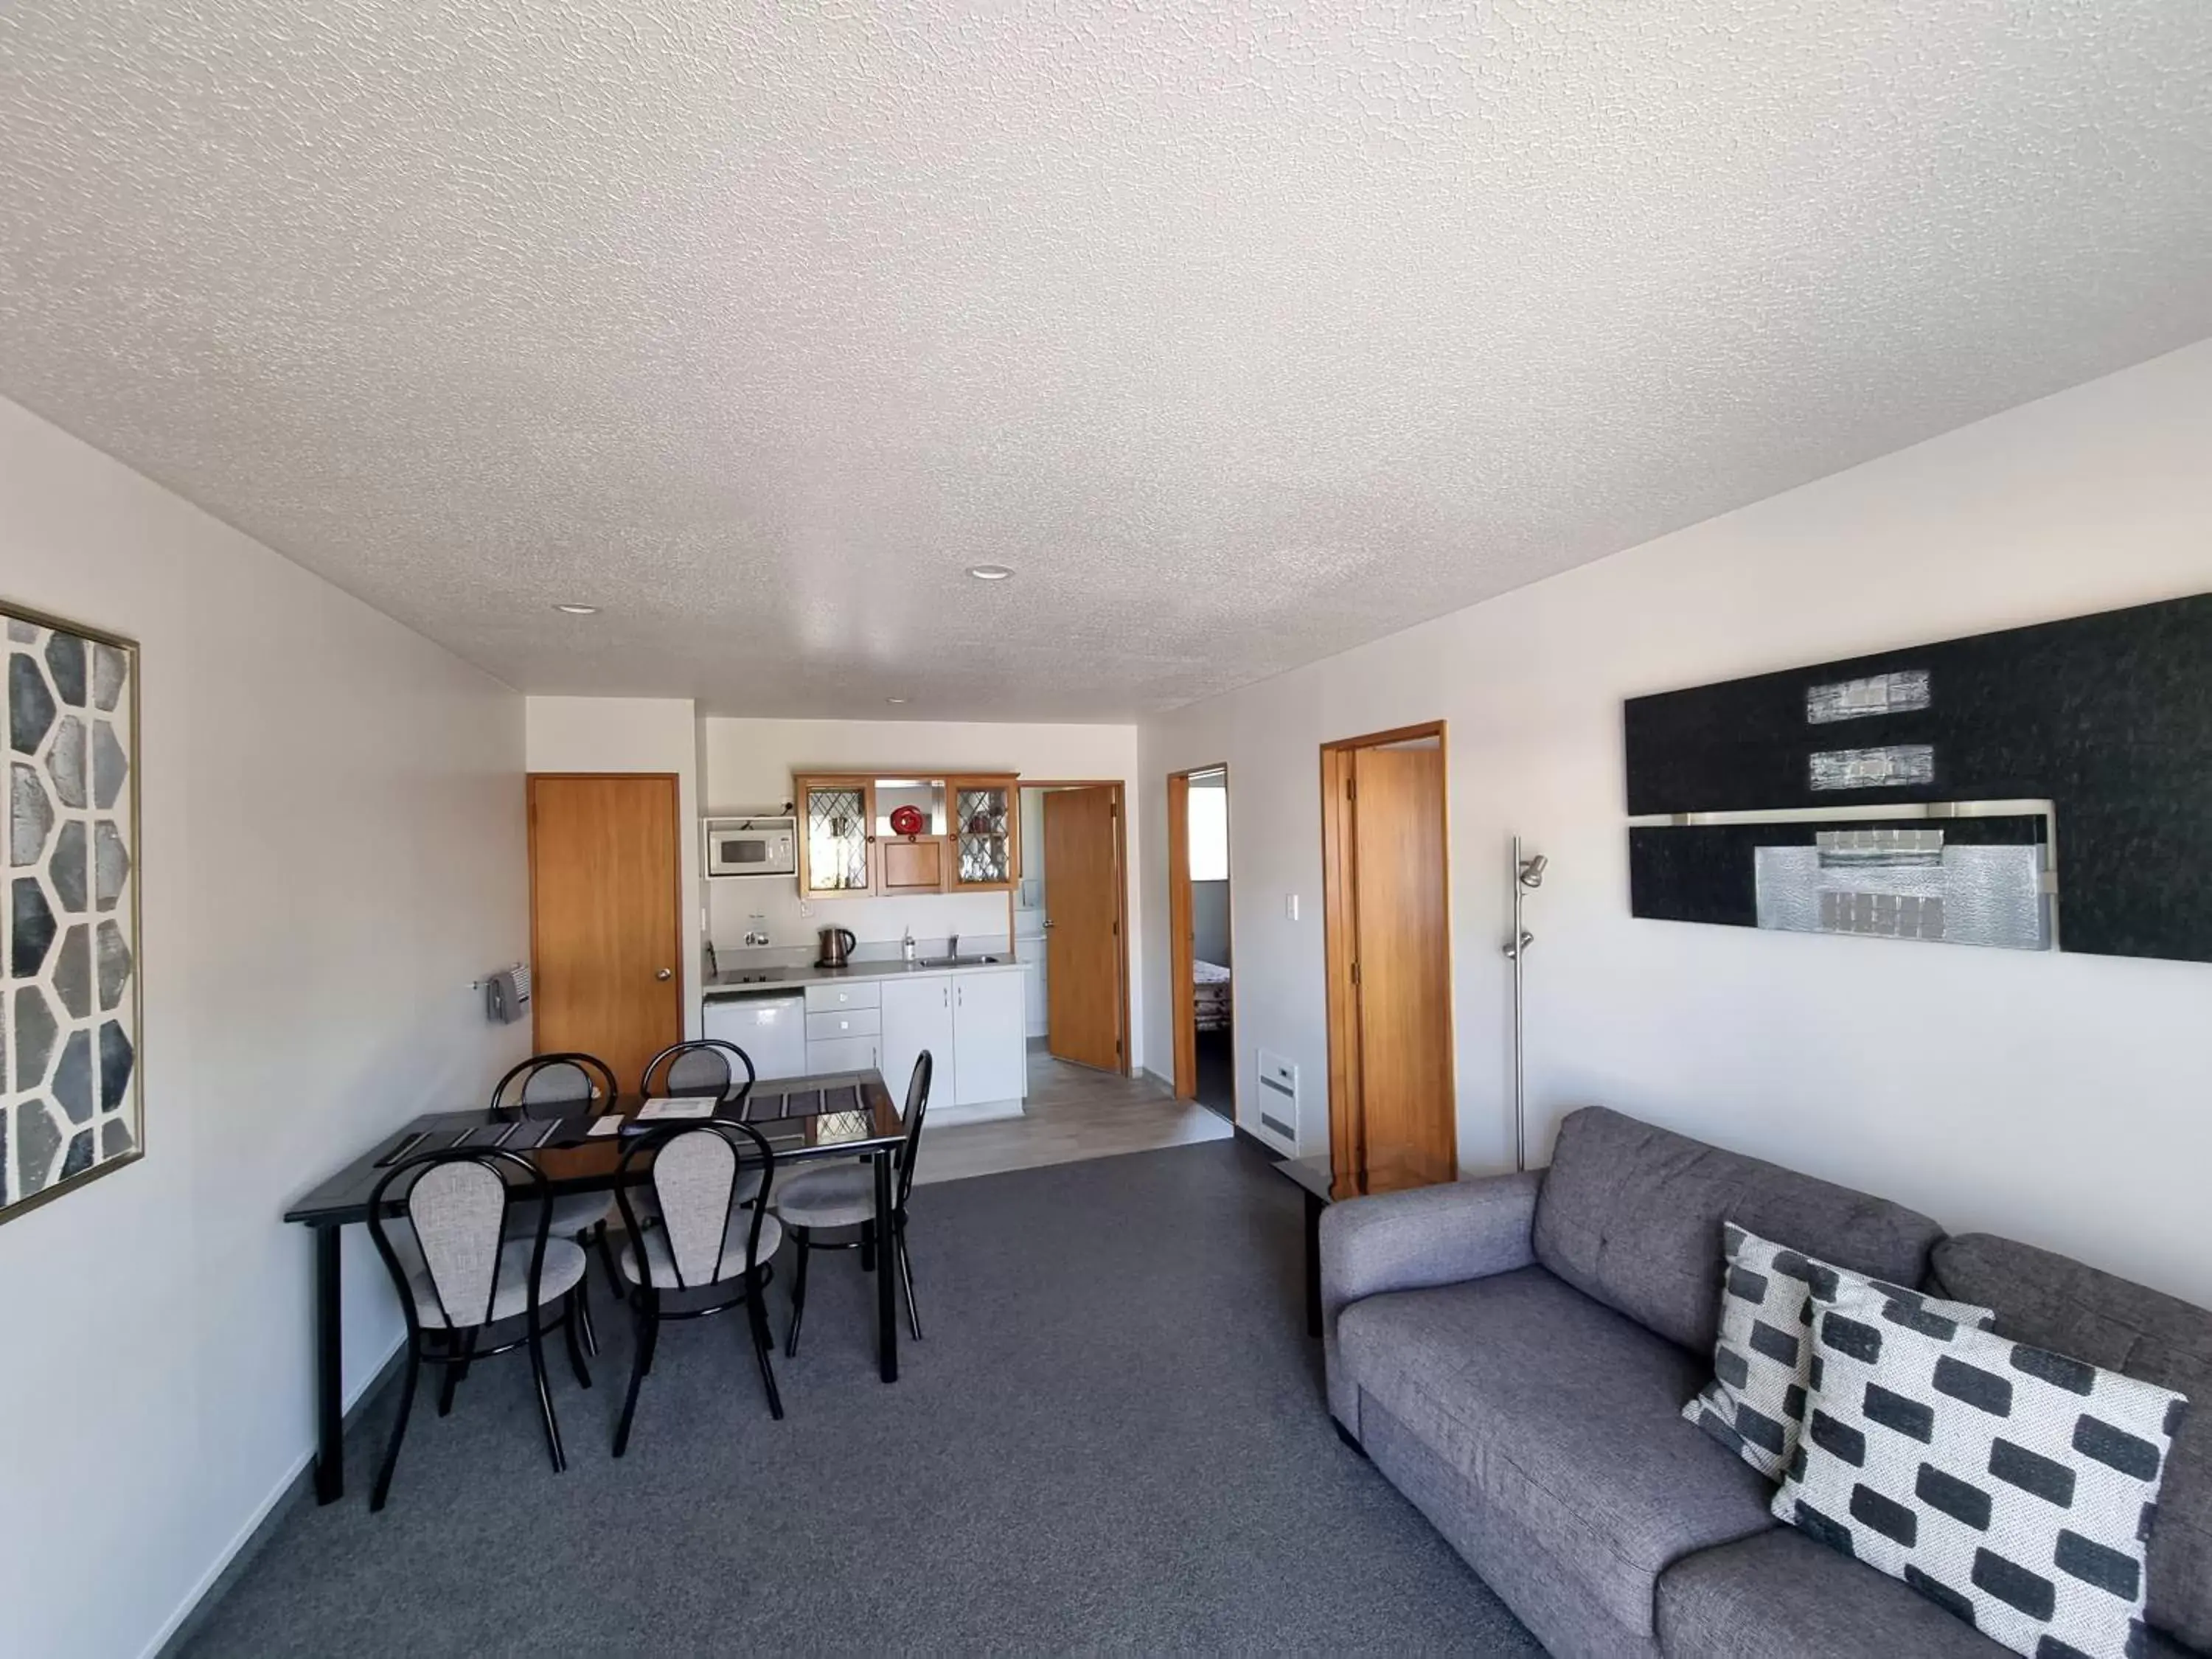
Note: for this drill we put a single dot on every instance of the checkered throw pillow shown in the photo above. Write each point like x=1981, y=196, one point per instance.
x=2013, y=1487
x=1755, y=1404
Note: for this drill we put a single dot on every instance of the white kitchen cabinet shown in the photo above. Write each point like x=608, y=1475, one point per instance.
x=990, y=1050
x=840, y=994
x=827, y=1055
x=917, y=1015
x=852, y=1021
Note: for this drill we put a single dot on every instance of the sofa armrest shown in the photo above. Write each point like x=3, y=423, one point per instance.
x=1414, y=1240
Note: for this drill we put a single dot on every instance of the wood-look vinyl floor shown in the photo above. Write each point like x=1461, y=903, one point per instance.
x=1073, y=1113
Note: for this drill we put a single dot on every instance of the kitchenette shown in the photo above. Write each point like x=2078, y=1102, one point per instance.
x=868, y=921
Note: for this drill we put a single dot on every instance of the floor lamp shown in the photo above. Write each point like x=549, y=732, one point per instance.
x=1528, y=877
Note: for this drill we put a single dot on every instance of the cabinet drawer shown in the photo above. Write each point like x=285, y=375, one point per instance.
x=845, y=1023
x=825, y=998
x=840, y=1054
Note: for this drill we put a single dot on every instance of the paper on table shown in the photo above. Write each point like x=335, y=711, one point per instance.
x=678, y=1106
x=605, y=1126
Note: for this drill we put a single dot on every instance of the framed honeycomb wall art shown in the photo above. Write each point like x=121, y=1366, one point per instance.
x=71, y=1107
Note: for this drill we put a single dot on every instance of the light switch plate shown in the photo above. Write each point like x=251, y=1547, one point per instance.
x=1291, y=906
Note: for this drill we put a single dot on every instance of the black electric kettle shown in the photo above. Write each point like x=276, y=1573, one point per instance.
x=837, y=945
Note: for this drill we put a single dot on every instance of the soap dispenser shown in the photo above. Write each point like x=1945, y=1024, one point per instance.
x=905, y=948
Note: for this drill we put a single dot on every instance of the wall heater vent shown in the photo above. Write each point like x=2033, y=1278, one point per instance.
x=1278, y=1096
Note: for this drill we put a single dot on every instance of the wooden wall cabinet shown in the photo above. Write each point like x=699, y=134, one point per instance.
x=986, y=834
x=908, y=865
x=970, y=841
x=835, y=814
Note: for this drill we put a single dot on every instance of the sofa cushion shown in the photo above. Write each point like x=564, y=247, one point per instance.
x=1630, y=1214
x=1781, y=1592
x=2012, y=1485
x=2056, y=1302
x=1763, y=1364
x=1564, y=1415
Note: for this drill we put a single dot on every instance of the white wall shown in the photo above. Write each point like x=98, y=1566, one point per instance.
x=635, y=734
x=750, y=763
x=2061, y=1099
x=331, y=848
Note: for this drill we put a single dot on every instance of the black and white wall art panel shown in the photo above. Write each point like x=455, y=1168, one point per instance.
x=69, y=1105
x=2040, y=788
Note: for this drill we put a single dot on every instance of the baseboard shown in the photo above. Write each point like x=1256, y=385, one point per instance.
x=991, y=1111
x=1166, y=1082
x=1266, y=1149
x=204, y=1597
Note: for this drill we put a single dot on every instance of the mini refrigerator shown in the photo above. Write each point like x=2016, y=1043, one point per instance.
x=771, y=1030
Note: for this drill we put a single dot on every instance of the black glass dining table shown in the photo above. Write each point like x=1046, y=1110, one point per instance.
x=841, y=1114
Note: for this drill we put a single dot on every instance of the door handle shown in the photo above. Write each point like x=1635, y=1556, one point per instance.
x=665, y=973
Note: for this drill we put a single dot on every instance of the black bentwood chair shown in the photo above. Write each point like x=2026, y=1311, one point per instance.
x=457, y=1202
x=707, y=1066
x=705, y=1236
x=846, y=1197
x=704, y=1066
x=554, y=1086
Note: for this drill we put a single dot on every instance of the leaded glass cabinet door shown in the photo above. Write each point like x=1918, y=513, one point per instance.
x=833, y=825
x=987, y=830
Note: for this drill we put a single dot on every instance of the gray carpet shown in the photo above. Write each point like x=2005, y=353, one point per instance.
x=1113, y=1437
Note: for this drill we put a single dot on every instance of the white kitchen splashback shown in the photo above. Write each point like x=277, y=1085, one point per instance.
x=738, y=904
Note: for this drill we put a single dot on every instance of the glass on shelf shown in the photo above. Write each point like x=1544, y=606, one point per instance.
x=836, y=840
x=986, y=845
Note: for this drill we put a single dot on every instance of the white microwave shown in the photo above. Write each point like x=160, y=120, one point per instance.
x=752, y=847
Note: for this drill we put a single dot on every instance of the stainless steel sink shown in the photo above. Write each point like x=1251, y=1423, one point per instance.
x=959, y=962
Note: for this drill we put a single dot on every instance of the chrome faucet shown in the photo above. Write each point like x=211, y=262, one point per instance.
x=952, y=945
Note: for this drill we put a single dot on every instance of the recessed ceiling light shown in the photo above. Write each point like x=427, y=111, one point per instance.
x=989, y=573
x=578, y=610
x=894, y=699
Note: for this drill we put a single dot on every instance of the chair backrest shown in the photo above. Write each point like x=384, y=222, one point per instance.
x=708, y=1066
x=695, y=1173
x=543, y=1084
x=455, y=1202
x=917, y=1105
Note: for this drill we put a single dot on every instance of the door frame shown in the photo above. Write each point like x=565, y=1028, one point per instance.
x=1120, y=902
x=1182, y=942
x=1347, y=1106
x=675, y=891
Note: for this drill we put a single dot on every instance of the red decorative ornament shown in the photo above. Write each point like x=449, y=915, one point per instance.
x=907, y=821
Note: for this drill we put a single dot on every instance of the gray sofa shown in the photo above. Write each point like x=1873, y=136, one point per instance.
x=1514, y=1354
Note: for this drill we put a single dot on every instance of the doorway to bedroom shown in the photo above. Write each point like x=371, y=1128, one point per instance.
x=1204, y=967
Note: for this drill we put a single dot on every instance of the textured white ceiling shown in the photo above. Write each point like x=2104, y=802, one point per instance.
x=1244, y=333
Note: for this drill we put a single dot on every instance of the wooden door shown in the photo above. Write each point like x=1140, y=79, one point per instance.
x=1402, y=933
x=1083, y=921
x=1182, y=943
x=603, y=896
